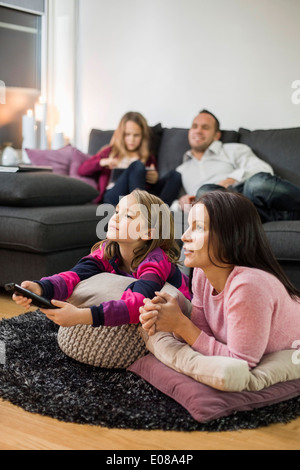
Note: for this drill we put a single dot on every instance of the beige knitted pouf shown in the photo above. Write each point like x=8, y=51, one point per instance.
x=106, y=347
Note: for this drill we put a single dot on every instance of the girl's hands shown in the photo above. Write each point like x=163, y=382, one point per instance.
x=68, y=315
x=152, y=175
x=65, y=315
x=24, y=301
x=109, y=162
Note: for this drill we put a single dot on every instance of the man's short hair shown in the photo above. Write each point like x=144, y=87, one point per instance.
x=212, y=115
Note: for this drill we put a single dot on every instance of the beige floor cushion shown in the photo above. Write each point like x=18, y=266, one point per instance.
x=107, y=347
x=223, y=373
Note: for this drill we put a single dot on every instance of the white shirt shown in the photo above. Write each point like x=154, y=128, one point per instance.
x=219, y=162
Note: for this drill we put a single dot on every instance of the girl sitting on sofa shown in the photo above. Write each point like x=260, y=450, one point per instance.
x=243, y=306
x=140, y=244
x=126, y=164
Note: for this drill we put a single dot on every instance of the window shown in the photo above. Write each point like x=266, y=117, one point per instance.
x=20, y=69
x=20, y=51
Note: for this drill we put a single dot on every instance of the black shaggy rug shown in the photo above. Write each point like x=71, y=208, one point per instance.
x=38, y=377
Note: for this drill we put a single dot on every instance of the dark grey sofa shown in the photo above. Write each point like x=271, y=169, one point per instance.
x=50, y=226
x=47, y=224
x=279, y=147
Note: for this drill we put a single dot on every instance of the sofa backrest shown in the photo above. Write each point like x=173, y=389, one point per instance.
x=174, y=143
x=279, y=147
x=99, y=139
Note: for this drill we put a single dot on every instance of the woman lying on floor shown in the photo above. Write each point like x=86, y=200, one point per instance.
x=243, y=306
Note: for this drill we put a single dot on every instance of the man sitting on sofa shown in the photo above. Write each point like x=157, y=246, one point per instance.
x=210, y=165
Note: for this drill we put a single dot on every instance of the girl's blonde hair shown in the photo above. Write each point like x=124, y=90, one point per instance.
x=118, y=144
x=161, y=224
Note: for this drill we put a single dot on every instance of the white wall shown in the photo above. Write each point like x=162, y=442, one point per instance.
x=170, y=58
x=62, y=71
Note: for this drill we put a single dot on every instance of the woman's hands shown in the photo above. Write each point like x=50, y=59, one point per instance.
x=162, y=313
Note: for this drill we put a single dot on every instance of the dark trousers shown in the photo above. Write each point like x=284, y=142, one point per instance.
x=168, y=187
x=274, y=197
x=134, y=177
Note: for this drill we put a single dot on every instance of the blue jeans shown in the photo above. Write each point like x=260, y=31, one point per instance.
x=168, y=187
x=134, y=177
x=273, y=197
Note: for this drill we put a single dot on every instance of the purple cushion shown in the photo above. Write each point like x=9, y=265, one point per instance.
x=77, y=159
x=203, y=402
x=59, y=159
x=64, y=161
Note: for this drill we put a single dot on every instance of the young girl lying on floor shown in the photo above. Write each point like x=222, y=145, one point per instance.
x=137, y=246
x=243, y=306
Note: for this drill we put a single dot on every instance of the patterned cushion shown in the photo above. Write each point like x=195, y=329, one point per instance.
x=106, y=347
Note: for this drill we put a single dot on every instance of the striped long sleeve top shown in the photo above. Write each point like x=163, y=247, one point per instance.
x=150, y=276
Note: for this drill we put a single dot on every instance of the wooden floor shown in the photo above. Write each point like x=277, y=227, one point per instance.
x=20, y=430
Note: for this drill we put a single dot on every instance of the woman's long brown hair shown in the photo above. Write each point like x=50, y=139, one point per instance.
x=237, y=236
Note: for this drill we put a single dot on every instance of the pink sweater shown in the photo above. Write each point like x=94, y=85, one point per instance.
x=253, y=316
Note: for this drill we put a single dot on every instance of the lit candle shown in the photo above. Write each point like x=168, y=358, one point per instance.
x=29, y=134
x=58, y=139
x=40, y=112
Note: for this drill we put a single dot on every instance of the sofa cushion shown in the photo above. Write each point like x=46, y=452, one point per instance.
x=278, y=147
x=48, y=229
x=175, y=143
x=30, y=189
x=59, y=159
x=64, y=161
x=99, y=138
x=18, y=266
x=230, y=137
x=284, y=237
x=78, y=158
